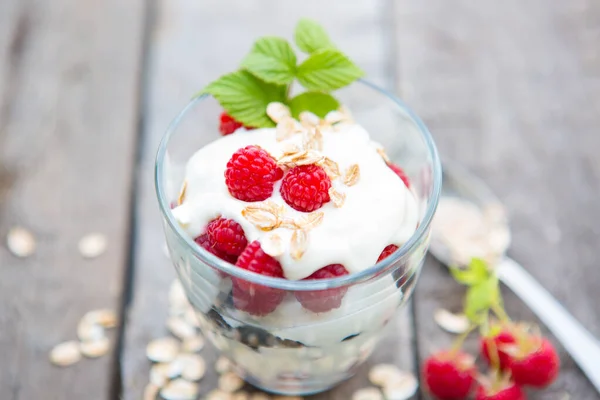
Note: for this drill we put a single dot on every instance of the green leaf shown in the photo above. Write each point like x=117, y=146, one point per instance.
x=310, y=36
x=476, y=272
x=246, y=97
x=315, y=102
x=480, y=298
x=327, y=70
x=272, y=59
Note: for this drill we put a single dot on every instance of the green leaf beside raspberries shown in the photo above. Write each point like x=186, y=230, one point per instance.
x=272, y=59
x=269, y=70
x=245, y=97
x=327, y=70
x=476, y=272
x=315, y=102
x=310, y=36
x=480, y=298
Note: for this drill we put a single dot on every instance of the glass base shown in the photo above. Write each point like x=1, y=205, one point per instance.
x=305, y=387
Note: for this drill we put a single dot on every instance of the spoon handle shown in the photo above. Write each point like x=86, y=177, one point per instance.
x=578, y=341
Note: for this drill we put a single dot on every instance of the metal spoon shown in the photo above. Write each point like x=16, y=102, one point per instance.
x=576, y=339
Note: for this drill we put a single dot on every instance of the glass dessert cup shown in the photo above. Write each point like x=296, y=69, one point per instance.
x=292, y=350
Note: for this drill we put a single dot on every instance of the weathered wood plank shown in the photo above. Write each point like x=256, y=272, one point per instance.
x=512, y=90
x=193, y=43
x=68, y=114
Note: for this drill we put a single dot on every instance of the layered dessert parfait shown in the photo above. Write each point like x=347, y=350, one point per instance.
x=287, y=213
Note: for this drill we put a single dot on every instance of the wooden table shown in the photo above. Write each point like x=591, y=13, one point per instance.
x=510, y=88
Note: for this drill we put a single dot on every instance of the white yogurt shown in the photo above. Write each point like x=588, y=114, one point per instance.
x=378, y=210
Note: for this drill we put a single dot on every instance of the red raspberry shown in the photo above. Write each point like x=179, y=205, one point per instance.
x=323, y=300
x=496, y=343
x=388, y=251
x=251, y=174
x=251, y=297
x=306, y=188
x=449, y=375
x=536, y=365
x=506, y=391
x=227, y=236
x=205, y=242
x=228, y=125
x=400, y=172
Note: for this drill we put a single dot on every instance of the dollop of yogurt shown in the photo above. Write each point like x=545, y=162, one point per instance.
x=378, y=209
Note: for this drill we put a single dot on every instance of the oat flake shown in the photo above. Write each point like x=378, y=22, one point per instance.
x=179, y=389
x=65, y=354
x=453, y=323
x=20, y=242
x=162, y=350
x=370, y=393
x=92, y=245
x=95, y=348
x=230, y=382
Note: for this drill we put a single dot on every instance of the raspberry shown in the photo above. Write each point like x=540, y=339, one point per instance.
x=449, y=375
x=251, y=297
x=228, y=125
x=251, y=174
x=306, y=188
x=205, y=242
x=400, y=172
x=227, y=236
x=388, y=251
x=319, y=301
x=496, y=343
x=537, y=366
x=506, y=391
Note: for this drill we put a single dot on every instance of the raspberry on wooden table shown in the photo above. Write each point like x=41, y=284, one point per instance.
x=205, y=242
x=400, y=172
x=323, y=300
x=537, y=365
x=388, y=251
x=449, y=375
x=227, y=236
x=228, y=125
x=251, y=174
x=496, y=343
x=306, y=187
x=251, y=297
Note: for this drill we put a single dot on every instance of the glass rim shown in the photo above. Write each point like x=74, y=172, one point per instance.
x=300, y=285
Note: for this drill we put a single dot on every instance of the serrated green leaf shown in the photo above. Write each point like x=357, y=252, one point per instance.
x=480, y=298
x=476, y=272
x=245, y=97
x=315, y=102
x=327, y=70
x=272, y=59
x=310, y=36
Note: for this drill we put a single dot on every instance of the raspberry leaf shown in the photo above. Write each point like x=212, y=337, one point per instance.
x=246, y=97
x=310, y=36
x=327, y=70
x=475, y=273
x=315, y=102
x=480, y=298
x=271, y=59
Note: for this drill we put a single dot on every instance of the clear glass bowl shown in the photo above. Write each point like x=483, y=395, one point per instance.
x=291, y=350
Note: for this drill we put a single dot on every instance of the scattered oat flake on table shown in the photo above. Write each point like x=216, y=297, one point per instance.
x=95, y=348
x=384, y=374
x=92, y=245
x=162, y=350
x=369, y=393
x=222, y=365
x=193, y=367
x=20, y=242
x=401, y=389
x=65, y=354
x=179, y=389
x=88, y=331
x=450, y=322
x=230, y=382
x=193, y=344
x=180, y=328
x=104, y=317
x=150, y=392
x=217, y=394
x=240, y=396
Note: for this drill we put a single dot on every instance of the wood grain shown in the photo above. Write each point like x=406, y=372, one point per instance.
x=68, y=106
x=193, y=43
x=512, y=90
